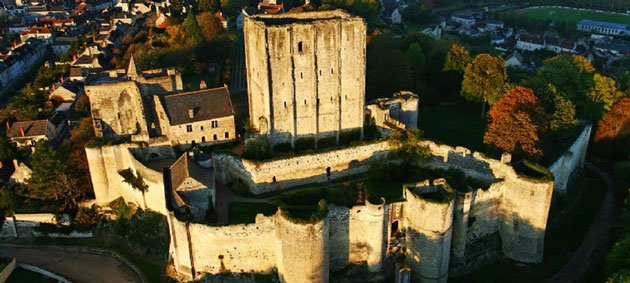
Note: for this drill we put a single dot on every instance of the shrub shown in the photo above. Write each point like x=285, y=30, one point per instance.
x=304, y=143
x=256, y=149
x=135, y=181
x=528, y=168
x=327, y=142
x=346, y=137
x=283, y=147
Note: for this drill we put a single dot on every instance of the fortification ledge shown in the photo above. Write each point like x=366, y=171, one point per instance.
x=304, y=18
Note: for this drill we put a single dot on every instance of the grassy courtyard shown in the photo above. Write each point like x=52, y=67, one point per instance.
x=454, y=125
x=567, y=15
x=245, y=212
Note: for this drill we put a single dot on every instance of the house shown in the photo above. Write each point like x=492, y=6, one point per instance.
x=19, y=59
x=559, y=45
x=62, y=44
x=396, y=17
x=616, y=47
x=464, y=19
x=514, y=60
x=43, y=33
x=21, y=174
x=530, y=43
x=28, y=133
x=492, y=24
x=78, y=74
x=66, y=92
x=496, y=39
x=88, y=62
x=601, y=27
x=203, y=116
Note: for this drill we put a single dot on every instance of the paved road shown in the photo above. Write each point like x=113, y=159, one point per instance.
x=597, y=236
x=75, y=266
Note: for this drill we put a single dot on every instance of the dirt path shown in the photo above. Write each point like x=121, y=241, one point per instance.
x=76, y=266
x=597, y=236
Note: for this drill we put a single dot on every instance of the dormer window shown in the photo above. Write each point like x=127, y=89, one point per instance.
x=191, y=113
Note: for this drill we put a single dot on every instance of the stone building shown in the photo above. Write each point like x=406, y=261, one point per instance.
x=200, y=116
x=149, y=106
x=28, y=133
x=305, y=74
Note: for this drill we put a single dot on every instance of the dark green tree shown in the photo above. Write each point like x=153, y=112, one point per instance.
x=47, y=167
x=192, y=32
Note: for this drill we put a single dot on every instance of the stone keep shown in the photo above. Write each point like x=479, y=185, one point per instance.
x=305, y=74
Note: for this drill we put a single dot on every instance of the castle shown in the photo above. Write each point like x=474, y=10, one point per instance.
x=431, y=232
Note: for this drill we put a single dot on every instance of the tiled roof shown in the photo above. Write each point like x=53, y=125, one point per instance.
x=206, y=104
x=31, y=128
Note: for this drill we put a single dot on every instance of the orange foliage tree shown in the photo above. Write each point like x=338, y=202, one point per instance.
x=516, y=121
x=616, y=123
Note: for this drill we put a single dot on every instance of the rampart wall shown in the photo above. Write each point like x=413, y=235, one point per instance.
x=572, y=159
x=273, y=175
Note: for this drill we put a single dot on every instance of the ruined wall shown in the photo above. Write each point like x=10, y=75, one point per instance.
x=358, y=235
x=117, y=110
x=572, y=159
x=259, y=176
x=105, y=162
x=298, y=67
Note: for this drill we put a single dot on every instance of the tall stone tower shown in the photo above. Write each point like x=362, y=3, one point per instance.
x=305, y=74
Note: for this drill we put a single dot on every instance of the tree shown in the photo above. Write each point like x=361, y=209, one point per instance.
x=457, y=59
x=7, y=150
x=563, y=116
x=209, y=25
x=485, y=79
x=208, y=6
x=192, y=32
x=47, y=167
x=408, y=145
x=605, y=91
x=417, y=59
x=393, y=73
x=613, y=132
x=516, y=122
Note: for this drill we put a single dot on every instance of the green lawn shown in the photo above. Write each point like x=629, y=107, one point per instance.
x=561, y=241
x=567, y=15
x=245, y=212
x=454, y=125
x=21, y=275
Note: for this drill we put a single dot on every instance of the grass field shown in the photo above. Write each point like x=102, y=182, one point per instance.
x=567, y=15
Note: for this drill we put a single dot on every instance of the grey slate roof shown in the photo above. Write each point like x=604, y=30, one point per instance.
x=207, y=104
x=602, y=24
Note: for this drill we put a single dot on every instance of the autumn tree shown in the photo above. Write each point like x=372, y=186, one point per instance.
x=457, y=59
x=516, y=122
x=485, y=79
x=408, y=145
x=208, y=6
x=605, y=91
x=209, y=25
x=613, y=131
x=192, y=32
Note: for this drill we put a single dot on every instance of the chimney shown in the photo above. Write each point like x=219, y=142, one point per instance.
x=8, y=125
x=113, y=74
x=22, y=131
x=191, y=113
x=15, y=163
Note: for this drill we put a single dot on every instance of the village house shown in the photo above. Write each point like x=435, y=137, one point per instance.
x=67, y=91
x=20, y=59
x=601, y=27
x=28, y=133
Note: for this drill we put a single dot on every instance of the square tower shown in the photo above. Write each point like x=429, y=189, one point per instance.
x=305, y=74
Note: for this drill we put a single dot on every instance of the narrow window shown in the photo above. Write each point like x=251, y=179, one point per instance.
x=320, y=73
x=331, y=98
x=318, y=101
x=332, y=71
x=285, y=104
x=301, y=75
x=203, y=139
x=227, y=135
x=304, y=101
x=215, y=124
x=201, y=128
x=300, y=46
x=215, y=137
x=189, y=128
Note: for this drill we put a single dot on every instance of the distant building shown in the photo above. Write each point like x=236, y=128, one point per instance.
x=607, y=28
x=463, y=19
x=396, y=17
x=530, y=43
x=66, y=92
x=21, y=174
x=514, y=60
x=613, y=46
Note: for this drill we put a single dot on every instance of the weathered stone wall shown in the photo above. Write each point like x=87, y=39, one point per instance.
x=298, y=67
x=300, y=170
x=357, y=235
x=105, y=162
x=117, y=110
x=428, y=231
x=572, y=159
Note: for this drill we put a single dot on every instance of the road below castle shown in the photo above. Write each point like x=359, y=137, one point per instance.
x=597, y=236
x=76, y=266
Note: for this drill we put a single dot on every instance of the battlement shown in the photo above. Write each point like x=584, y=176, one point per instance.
x=302, y=18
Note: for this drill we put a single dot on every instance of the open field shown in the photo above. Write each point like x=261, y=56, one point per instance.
x=567, y=15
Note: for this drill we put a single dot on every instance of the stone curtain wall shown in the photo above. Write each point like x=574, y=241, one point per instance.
x=105, y=162
x=298, y=251
x=259, y=176
x=572, y=159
